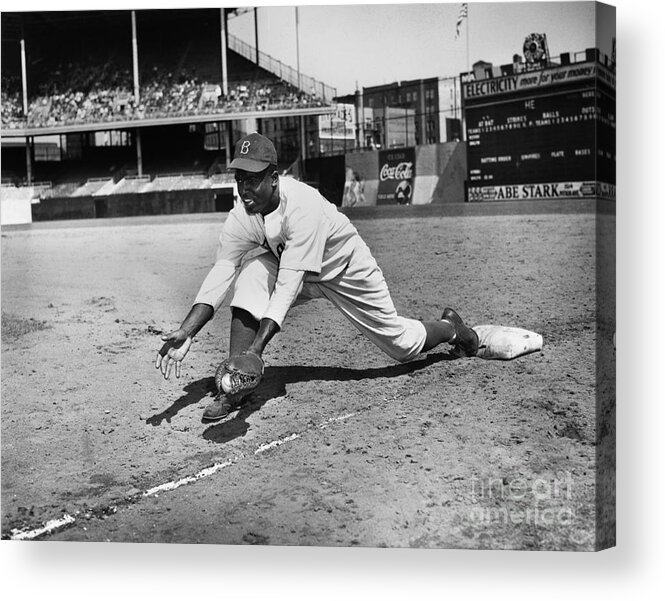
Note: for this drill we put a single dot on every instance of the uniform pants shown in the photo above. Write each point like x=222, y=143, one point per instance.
x=360, y=292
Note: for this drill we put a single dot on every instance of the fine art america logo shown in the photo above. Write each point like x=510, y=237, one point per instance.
x=540, y=502
x=403, y=170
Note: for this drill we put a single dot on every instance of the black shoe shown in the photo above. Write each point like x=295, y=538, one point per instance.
x=465, y=341
x=220, y=408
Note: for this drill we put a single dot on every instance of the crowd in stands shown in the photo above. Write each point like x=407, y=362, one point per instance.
x=87, y=93
x=12, y=109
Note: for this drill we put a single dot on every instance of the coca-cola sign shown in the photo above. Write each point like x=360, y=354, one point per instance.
x=396, y=176
x=402, y=170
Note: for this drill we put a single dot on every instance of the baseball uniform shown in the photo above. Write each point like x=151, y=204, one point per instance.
x=311, y=250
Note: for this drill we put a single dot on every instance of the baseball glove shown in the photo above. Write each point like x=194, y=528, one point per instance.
x=239, y=374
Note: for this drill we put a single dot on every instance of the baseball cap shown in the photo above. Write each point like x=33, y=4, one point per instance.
x=254, y=153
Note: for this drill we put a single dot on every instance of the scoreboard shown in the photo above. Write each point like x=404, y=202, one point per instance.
x=547, y=140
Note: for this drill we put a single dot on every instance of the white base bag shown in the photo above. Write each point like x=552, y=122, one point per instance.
x=503, y=342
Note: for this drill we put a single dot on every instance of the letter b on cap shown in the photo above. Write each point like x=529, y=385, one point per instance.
x=244, y=149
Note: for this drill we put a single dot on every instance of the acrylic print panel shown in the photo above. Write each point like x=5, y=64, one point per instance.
x=471, y=146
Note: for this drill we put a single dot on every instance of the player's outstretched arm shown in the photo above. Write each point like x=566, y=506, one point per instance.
x=177, y=343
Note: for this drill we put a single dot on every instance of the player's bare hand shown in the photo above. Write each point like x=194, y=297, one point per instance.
x=173, y=351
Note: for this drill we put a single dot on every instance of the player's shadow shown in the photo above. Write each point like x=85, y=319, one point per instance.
x=273, y=385
x=276, y=378
x=195, y=391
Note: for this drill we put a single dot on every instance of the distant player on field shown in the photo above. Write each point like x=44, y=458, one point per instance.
x=311, y=250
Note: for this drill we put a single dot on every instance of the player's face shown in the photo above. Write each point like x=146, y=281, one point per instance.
x=258, y=191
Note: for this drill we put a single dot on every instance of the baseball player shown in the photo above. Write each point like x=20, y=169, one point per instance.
x=303, y=248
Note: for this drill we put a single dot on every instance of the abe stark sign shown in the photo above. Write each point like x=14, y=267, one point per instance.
x=535, y=191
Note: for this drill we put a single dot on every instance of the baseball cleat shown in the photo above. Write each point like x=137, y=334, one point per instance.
x=465, y=341
x=220, y=408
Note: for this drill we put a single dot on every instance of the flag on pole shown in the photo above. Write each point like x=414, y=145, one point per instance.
x=463, y=13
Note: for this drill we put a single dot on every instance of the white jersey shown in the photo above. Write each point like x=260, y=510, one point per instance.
x=305, y=232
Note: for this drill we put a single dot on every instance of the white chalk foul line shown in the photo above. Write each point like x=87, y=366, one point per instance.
x=204, y=473
x=339, y=418
x=53, y=525
x=50, y=526
x=275, y=443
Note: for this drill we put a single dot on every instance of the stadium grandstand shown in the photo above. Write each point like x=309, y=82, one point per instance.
x=139, y=101
x=132, y=112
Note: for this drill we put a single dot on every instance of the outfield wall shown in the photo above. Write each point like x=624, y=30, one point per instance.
x=439, y=174
x=162, y=202
x=15, y=205
x=352, y=180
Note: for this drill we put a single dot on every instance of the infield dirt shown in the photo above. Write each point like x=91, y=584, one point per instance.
x=339, y=445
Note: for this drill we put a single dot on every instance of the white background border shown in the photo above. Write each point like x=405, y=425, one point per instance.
x=633, y=570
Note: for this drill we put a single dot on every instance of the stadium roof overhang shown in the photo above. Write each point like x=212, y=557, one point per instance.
x=12, y=20
x=162, y=121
